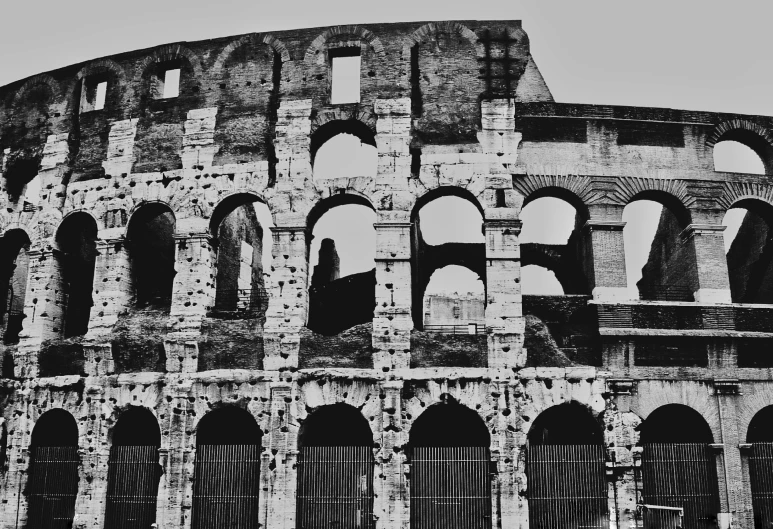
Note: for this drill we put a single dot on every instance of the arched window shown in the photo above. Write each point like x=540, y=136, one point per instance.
x=760, y=435
x=237, y=225
x=343, y=149
x=566, y=441
x=342, y=286
x=454, y=302
x=749, y=248
x=133, y=471
x=226, y=483
x=14, y=266
x=450, y=465
x=448, y=235
x=76, y=239
x=550, y=257
x=150, y=239
x=335, y=469
x=678, y=467
x=53, y=473
x=657, y=262
x=735, y=157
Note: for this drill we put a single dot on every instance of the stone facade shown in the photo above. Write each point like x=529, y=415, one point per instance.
x=454, y=108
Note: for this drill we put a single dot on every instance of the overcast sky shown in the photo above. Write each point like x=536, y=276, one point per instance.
x=699, y=55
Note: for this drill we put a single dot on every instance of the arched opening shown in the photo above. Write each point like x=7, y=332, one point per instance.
x=450, y=467
x=150, y=239
x=566, y=440
x=53, y=473
x=551, y=244
x=736, y=157
x=133, y=470
x=14, y=267
x=76, y=239
x=749, y=249
x=760, y=436
x=679, y=468
x=658, y=263
x=343, y=149
x=448, y=237
x=335, y=469
x=227, y=470
x=459, y=310
x=241, y=240
x=342, y=287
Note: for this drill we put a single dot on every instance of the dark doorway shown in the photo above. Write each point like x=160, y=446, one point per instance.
x=150, y=239
x=76, y=239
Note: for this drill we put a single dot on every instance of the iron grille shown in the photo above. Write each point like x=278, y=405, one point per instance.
x=241, y=300
x=567, y=487
x=456, y=329
x=132, y=487
x=681, y=475
x=761, y=473
x=451, y=488
x=226, y=486
x=659, y=292
x=53, y=487
x=335, y=487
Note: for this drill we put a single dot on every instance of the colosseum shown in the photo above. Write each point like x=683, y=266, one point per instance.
x=172, y=358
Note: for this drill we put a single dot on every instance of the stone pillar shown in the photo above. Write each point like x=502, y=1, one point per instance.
x=731, y=484
x=43, y=310
x=711, y=282
x=193, y=292
x=94, y=451
x=120, y=147
x=392, y=322
x=288, y=298
x=604, y=254
x=504, y=454
x=112, y=291
x=505, y=325
x=393, y=138
x=19, y=429
x=280, y=472
x=291, y=144
x=391, y=491
x=199, y=138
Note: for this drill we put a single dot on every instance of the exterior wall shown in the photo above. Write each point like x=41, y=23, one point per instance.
x=245, y=123
x=443, y=310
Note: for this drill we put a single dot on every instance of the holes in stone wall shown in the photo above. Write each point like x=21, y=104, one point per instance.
x=341, y=264
x=76, y=239
x=14, y=267
x=150, y=240
x=749, y=249
x=345, y=75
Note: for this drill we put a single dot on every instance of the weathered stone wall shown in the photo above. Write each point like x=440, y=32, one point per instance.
x=453, y=108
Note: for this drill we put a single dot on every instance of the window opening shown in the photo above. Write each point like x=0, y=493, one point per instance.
x=93, y=93
x=171, y=83
x=735, y=157
x=99, y=104
x=345, y=73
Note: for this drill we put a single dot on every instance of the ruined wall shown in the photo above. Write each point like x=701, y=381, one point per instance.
x=453, y=108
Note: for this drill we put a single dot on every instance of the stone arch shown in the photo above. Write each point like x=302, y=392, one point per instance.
x=358, y=123
x=368, y=36
x=170, y=52
x=576, y=190
x=760, y=428
x=57, y=426
x=228, y=203
x=338, y=424
x=418, y=36
x=40, y=79
x=228, y=424
x=668, y=199
x=664, y=393
x=671, y=193
x=752, y=404
x=567, y=423
x=449, y=423
x=753, y=135
x=73, y=212
x=142, y=203
x=314, y=396
x=333, y=201
x=734, y=192
x=557, y=260
x=274, y=43
x=94, y=67
x=133, y=426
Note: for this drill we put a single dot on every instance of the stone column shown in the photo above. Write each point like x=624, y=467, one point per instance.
x=711, y=282
x=193, y=293
x=280, y=474
x=113, y=289
x=391, y=491
x=43, y=310
x=392, y=322
x=94, y=451
x=288, y=298
x=604, y=254
x=505, y=325
x=731, y=494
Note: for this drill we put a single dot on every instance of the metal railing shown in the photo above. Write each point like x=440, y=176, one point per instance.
x=470, y=328
x=658, y=292
x=240, y=301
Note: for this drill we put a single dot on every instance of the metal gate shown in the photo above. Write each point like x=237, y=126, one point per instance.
x=53, y=487
x=680, y=475
x=132, y=487
x=451, y=488
x=335, y=487
x=226, y=486
x=567, y=487
x=761, y=473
